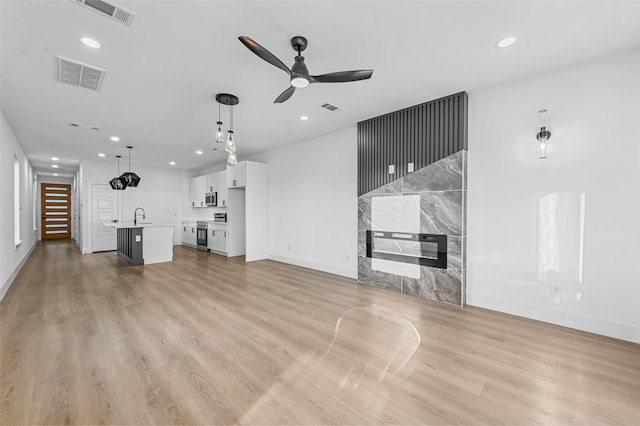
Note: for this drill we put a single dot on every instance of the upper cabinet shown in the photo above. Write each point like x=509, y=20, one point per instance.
x=212, y=183
x=199, y=186
x=222, y=188
x=236, y=175
x=197, y=189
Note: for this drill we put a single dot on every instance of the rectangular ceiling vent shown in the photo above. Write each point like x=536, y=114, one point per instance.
x=329, y=107
x=110, y=10
x=84, y=126
x=79, y=74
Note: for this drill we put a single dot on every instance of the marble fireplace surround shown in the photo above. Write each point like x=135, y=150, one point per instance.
x=431, y=200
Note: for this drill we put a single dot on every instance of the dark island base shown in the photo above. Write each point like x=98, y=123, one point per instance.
x=130, y=245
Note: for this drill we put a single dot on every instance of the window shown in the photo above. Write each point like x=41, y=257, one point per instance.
x=35, y=204
x=16, y=201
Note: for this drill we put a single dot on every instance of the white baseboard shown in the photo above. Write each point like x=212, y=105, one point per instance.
x=593, y=325
x=344, y=272
x=6, y=285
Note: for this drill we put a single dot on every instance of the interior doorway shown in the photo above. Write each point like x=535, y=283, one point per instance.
x=104, y=210
x=55, y=208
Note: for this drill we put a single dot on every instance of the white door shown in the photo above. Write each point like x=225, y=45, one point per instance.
x=104, y=210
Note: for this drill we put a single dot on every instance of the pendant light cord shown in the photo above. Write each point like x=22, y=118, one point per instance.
x=231, y=120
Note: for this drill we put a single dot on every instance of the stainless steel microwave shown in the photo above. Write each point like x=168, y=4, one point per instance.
x=211, y=199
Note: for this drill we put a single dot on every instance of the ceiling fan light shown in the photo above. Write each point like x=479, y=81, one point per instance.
x=299, y=82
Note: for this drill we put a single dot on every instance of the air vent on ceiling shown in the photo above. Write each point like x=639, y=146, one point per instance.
x=110, y=10
x=84, y=126
x=79, y=74
x=329, y=107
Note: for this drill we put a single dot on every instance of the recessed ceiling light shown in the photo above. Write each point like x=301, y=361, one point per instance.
x=89, y=42
x=199, y=152
x=506, y=42
x=101, y=154
x=304, y=117
x=54, y=158
x=115, y=139
x=55, y=166
x=172, y=163
x=55, y=174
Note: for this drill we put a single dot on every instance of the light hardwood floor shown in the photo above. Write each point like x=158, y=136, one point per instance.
x=88, y=339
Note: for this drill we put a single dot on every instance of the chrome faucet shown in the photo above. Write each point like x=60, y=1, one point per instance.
x=135, y=215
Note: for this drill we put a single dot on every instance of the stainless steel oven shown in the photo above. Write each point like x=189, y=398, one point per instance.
x=201, y=236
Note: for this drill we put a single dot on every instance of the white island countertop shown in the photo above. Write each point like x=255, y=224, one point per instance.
x=138, y=225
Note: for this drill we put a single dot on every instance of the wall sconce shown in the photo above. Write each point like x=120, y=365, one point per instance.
x=543, y=136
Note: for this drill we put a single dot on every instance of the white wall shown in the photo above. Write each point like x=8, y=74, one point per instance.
x=11, y=257
x=159, y=194
x=313, y=203
x=569, y=222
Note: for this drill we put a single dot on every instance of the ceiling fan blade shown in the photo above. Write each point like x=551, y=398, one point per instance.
x=341, y=76
x=263, y=53
x=285, y=95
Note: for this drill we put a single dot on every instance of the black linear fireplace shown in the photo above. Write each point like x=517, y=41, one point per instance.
x=418, y=249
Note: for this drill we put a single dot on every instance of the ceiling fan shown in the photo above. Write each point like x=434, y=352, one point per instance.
x=299, y=74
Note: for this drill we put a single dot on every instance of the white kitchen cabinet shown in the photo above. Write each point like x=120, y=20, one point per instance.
x=236, y=175
x=222, y=188
x=212, y=184
x=188, y=231
x=197, y=189
x=217, y=238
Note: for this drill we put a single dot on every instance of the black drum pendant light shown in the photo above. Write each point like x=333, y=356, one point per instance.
x=129, y=177
x=117, y=182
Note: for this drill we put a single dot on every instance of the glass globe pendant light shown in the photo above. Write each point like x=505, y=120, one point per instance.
x=230, y=146
x=219, y=135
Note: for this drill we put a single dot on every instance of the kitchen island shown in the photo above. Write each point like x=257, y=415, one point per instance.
x=144, y=243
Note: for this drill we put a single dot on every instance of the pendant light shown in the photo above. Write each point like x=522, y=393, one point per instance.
x=117, y=182
x=219, y=135
x=230, y=147
x=129, y=177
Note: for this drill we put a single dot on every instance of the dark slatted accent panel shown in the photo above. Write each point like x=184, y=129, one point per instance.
x=421, y=134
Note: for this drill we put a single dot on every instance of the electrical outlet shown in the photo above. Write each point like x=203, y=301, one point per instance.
x=410, y=167
x=392, y=169
x=554, y=290
x=288, y=247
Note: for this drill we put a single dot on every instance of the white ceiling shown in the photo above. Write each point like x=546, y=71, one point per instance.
x=163, y=71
